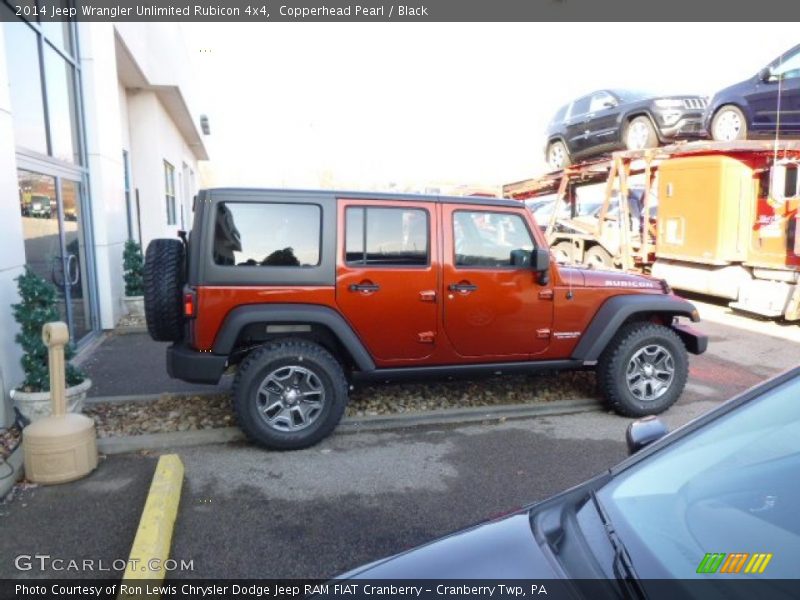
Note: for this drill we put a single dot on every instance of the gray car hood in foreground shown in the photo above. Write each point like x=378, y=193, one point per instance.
x=503, y=549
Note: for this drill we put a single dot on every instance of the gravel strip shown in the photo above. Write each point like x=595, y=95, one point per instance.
x=191, y=412
x=9, y=440
x=132, y=321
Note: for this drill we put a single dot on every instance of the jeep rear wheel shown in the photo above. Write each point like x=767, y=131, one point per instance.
x=289, y=395
x=643, y=370
x=164, y=277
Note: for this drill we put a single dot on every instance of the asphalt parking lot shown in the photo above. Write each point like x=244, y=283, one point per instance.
x=357, y=497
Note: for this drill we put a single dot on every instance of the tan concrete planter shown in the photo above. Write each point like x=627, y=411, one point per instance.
x=35, y=405
x=134, y=305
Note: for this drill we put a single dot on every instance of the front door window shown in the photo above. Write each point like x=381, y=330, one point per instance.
x=492, y=308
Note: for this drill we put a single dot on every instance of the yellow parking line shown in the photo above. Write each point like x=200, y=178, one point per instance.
x=153, y=538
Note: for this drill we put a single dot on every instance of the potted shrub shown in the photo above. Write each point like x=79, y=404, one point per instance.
x=133, y=266
x=39, y=305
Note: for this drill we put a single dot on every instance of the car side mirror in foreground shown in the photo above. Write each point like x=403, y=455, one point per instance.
x=644, y=432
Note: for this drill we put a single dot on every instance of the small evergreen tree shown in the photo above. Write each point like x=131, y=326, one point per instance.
x=133, y=265
x=38, y=305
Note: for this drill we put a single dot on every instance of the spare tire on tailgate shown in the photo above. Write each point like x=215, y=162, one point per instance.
x=164, y=277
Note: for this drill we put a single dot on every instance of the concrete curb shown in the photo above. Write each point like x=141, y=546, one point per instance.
x=172, y=439
x=455, y=416
x=153, y=538
x=143, y=397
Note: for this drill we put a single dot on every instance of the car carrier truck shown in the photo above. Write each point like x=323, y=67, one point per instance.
x=717, y=218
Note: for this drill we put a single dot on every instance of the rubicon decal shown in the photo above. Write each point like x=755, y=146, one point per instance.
x=734, y=563
x=566, y=335
x=629, y=283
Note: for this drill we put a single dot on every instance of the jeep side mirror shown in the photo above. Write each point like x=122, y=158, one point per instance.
x=541, y=264
x=538, y=260
x=644, y=432
x=521, y=259
x=541, y=259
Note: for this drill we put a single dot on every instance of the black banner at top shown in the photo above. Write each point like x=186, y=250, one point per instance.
x=256, y=11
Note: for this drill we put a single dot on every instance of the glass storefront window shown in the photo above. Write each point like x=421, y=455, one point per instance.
x=48, y=215
x=39, y=208
x=60, y=85
x=44, y=81
x=59, y=34
x=26, y=89
x=53, y=131
x=75, y=272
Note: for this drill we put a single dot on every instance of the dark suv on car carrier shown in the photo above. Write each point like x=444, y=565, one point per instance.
x=310, y=292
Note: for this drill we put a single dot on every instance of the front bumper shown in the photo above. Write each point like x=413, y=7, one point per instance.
x=688, y=126
x=695, y=342
x=190, y=365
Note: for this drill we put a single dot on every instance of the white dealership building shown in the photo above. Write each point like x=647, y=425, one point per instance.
x=99, y=143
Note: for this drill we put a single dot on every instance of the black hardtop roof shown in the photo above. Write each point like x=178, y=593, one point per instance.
x=301, y=194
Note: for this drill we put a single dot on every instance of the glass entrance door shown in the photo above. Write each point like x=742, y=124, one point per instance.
x=55, y=244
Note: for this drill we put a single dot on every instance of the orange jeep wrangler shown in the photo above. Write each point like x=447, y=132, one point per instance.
x=311, y=292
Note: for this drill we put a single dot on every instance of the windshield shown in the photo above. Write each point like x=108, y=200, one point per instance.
x=732, y=487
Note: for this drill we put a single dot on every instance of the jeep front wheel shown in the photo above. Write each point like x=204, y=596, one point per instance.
x=643, y=370
x=289, y=395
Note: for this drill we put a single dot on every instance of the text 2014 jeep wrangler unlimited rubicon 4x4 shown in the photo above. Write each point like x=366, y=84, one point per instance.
x=309, y=292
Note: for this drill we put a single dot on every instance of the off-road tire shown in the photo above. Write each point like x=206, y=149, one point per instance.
x=164, y=278
x=613, y=365
x=259, y=364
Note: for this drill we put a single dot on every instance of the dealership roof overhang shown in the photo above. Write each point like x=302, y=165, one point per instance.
x=172, y=98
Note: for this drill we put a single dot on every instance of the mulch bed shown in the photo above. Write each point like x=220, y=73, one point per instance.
x=189, y=412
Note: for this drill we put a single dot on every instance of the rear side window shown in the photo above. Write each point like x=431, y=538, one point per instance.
x=580, y=106
x=561, y=114
x=260, y=234
x=390, y=237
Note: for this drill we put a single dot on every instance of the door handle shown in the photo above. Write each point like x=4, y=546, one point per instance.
x=364, y=287
x=462, y=287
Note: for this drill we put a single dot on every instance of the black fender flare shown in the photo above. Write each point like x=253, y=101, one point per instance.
x=616, y=310
x=312, y=314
